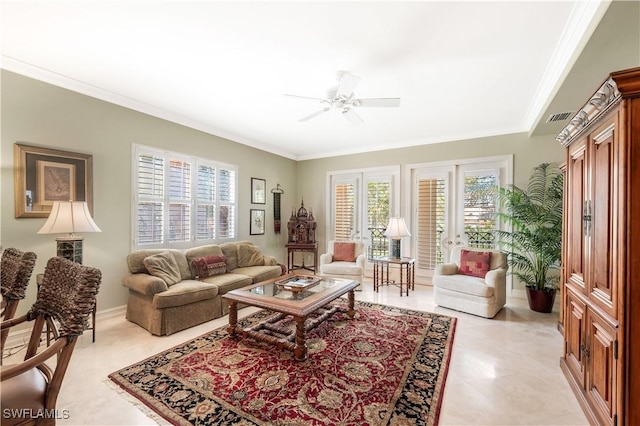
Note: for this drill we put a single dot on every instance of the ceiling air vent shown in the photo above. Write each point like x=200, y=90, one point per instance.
x=561, y=116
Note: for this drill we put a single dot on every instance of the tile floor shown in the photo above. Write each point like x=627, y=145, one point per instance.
x=503, y=371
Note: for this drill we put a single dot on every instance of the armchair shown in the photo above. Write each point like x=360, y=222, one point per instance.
x=16, y=267
x=31, y=386
x=473, y=282
x=344, y=259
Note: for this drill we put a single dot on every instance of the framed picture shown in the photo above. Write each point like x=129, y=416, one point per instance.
x=258, y=191
x=256, y=227
x=45, y=175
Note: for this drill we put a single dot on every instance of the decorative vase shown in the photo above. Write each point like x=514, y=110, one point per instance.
x=541, y=300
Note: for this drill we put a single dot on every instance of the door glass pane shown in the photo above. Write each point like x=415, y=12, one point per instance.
x=480, y=209
x=378, y=198
x=430, y=222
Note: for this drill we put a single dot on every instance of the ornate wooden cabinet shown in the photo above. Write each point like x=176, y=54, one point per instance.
x=601, y=257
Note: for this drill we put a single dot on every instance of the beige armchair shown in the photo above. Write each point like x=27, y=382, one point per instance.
x=472, y=282
x=344, y=259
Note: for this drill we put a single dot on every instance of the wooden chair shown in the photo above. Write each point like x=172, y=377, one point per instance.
x=67, y=295
x=16, y=267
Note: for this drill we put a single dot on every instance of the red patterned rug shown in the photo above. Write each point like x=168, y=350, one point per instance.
x=386, y=366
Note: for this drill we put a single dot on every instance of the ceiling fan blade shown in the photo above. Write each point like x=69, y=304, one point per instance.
x=352, y=116
x=315, y=114
x=377, y=102
x=306, y=97
x=348, y=83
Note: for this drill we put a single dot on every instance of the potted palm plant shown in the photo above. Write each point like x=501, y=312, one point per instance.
x=533, y=242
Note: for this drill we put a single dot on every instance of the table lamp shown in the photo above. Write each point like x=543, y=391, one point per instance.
x=69, y=217
x=396, y=230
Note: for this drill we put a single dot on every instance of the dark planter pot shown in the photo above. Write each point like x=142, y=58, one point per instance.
x=541, y=300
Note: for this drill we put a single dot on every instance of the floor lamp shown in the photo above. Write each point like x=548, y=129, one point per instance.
x=396, y=230
x=69, y=217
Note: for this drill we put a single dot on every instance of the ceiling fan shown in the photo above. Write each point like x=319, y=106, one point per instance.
x=342, y=98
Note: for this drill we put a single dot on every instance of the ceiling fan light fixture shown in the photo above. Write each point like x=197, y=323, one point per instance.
x=343, y=98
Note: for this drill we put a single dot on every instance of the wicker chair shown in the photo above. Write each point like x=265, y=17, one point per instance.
x=67, y=295
x=15, y=272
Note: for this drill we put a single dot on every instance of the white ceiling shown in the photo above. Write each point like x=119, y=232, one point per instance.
x=462, y=69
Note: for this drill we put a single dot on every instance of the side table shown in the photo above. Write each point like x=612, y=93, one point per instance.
x=381, y=272
x=292, y=248
x=51, y=327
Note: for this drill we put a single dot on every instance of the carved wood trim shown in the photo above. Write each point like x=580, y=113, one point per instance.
x=620, y=84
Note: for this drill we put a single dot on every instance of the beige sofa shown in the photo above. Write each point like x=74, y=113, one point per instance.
x=163, y=308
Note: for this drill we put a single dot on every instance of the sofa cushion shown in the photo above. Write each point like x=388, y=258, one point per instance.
x=135, y=261
x=164, y=266
x=466, y=284
x=229, y=281
x=260, y=273
x=249, y=255
x=230, y=250
x=345, y=252
x=201, y=251
x=183, y=293
x=474, y=263
x=341, y=268
x=207, y=266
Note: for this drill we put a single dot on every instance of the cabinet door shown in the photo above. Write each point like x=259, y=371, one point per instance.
x=576, y=187
x=601, y=384
x=602, y=211
x=574, y=336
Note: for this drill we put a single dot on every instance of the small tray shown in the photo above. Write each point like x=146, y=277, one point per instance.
x=298, y=283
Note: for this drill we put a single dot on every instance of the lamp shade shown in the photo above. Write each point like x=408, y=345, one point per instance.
x=396, y=228
x=67, y=217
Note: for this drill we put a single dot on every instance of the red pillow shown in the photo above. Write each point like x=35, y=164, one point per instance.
x=474, y=263
x=207, y=266
x=345, y=252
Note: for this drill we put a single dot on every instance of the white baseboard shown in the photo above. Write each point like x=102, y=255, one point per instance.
x=20, y=337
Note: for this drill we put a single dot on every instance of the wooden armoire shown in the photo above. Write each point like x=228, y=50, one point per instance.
x=600, y=290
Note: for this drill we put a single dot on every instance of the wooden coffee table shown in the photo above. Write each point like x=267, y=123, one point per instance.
x=299, y=304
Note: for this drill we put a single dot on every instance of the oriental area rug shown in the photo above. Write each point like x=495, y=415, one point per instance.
x=386, y=366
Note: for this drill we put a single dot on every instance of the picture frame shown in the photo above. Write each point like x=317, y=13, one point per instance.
x=258, y=191
x=257, y=222
x=44, y=175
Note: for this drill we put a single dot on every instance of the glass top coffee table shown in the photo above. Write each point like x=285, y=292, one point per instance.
x=294, y=295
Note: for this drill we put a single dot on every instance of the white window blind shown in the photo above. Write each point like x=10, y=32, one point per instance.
x=430, y=222
x=344, y=211
x=182, y=200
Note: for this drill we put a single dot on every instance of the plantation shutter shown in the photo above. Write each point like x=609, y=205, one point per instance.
x=150, y=199
x=179, y=201
x=227, y=206
x=430, y=222
x=206, y=203
x=344, y=213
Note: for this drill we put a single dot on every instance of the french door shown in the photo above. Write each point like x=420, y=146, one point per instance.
x=360, y=207
x=452, y=205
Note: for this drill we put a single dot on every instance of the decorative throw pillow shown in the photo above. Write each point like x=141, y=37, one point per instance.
x=249, y=255
x=345, y=252
x=474, y=263
x=207, y=266
x=164, y=266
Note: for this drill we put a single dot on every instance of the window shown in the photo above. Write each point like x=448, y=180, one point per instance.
x=181, y=201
